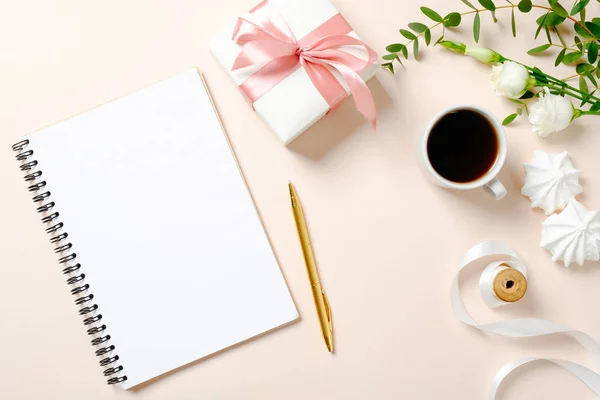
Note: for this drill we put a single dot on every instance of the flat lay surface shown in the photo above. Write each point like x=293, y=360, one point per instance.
x=386, y=241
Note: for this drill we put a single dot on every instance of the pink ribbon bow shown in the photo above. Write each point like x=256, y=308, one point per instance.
x=270, y=41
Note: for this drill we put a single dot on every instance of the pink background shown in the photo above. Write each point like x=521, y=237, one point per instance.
x=387, y=243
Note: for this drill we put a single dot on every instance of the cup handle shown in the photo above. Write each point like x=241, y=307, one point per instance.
x=495, y=188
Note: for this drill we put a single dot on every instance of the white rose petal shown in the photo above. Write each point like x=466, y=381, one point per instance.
x=511, y=79
x=551, y=113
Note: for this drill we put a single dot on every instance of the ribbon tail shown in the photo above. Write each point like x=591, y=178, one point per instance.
x=363, y=99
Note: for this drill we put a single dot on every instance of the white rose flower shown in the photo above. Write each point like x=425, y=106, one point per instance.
x=551, y=113
x=511, y=79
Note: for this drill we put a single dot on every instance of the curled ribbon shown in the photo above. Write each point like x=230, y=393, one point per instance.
x=520, y=327
x=269, y=42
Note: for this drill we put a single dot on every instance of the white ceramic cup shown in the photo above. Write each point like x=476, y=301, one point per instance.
x=488, y=181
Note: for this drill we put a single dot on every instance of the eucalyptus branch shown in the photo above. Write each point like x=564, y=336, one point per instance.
x=586, y=40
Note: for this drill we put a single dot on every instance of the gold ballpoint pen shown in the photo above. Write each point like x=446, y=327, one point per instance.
x=319, y=296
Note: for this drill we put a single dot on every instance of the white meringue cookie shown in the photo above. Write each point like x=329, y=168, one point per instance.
x=551, y=181
x=573, y=235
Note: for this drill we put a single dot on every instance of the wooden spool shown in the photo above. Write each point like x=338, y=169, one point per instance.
x=510, y=285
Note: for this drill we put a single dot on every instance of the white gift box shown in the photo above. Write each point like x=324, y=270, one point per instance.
x=294, y=104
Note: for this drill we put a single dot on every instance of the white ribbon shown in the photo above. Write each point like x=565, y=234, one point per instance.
x=520, y=327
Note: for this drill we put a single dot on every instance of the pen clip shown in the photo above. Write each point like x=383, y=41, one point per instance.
x=327, y=310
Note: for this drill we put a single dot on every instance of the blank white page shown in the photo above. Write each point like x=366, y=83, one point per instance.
x=163, y=226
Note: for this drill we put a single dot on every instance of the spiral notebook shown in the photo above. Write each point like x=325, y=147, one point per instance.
x=155, y=230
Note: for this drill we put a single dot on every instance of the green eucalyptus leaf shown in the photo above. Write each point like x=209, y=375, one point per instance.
x=525, y=6
x=559, y=10
x=593, y=52
x=583, y=68
x=590, y=76
x=432, y=14
x=580, y=30
x=407, y=34
x=583, y=85
x=416, y=49
x=548, y=34
x=572, y=57
x=513, y=23
x=560, y=57
x=389, y=67
x=390, y=57
x=452, y=20
x=540, y=25
x=469, y=4
x=594, y=28
x=476, y=27
x=578, y=43
x=595, y=107
x=394, y=48
x=550, y=19
x=539, y=49
x=517, y=101
x=509, y=119
x=596, y=20
x=427, y=36
x=581, y=4
x=519, y=111
x=417, y=27
x=488, y=4
x=582, y=15
x=560, y=38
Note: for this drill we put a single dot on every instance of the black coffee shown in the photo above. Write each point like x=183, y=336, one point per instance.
x=462, y=146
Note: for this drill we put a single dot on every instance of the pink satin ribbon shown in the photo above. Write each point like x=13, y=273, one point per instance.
x=269, y=41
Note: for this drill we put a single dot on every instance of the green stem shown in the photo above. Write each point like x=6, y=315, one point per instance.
x=564, y=47
x=559, y=84
x=585, y=97
x=591, y=71
x=589, y=112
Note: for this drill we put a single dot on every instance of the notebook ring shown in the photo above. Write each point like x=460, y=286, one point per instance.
x=75, y=279
x=33, y=176
x=28, y=165
x=56, y=227
x=71, y=269
x=119, y=379
x=80, y=289
x=100, y=340
x=41, y=197
x=109, y=360
x=24, y=155
x=96, y=329
x=45, y=205
x=62, y=248
x=113, y=370
x=84, y=299
x=89, y=309
x=36, y=186
x=20, y=145
x=105, y=350
x=92, y=320
x=58, y=238
x=50, y=218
